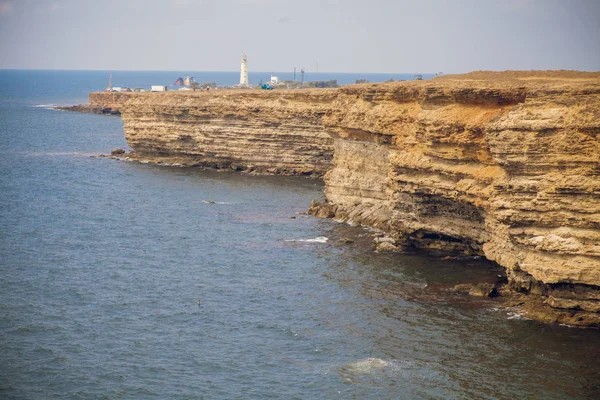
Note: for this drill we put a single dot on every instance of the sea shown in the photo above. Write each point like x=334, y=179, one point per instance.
x=122, y=280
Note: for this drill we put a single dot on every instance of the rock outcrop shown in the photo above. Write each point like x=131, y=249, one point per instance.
x=103, y=103
x=255, y=131
x=502, y=165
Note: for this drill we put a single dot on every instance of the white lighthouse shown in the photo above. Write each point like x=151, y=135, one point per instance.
x=244, y=71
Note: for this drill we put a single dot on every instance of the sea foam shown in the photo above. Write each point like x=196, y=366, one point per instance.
x=320, y=239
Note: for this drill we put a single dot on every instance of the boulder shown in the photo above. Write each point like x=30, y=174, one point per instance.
x=483, y=290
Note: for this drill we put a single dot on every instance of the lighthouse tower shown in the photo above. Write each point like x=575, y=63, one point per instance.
x=244, y=71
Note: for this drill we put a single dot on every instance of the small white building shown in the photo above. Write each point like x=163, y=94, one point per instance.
x=274, y=80
x=158, y=88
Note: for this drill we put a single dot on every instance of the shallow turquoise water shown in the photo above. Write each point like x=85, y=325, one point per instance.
x=102, y=264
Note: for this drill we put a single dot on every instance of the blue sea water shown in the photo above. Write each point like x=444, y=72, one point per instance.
x=72, y=87
x=103, y=263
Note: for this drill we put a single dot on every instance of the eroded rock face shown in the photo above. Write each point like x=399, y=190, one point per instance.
x=103, y=103
x=247, y=130
x=503, y=165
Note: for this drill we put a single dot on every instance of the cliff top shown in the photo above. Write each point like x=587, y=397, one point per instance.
x=523, y=75
x=477, y=88
x=531, y=80
x=484, y=87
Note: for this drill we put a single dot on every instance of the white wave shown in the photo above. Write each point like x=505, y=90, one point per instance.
x=59, y=153
x=515, y=315
x=320, y=239
x=47, y=106
x=568, y=326
x=215, y=202
x=370, y=229
x=366, y=365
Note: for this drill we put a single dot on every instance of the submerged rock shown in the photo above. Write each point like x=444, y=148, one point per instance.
x=483, y=290
x=321, y=210
x=478, y=289
x=387, y=247
x=463, y=287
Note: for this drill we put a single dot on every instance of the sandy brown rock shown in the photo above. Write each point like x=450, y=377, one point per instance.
x=502, y=165
x=91, y=109
x=478, y=289
x=387, y=247
x=250, y=130
x=103, y=103
x=483, y=290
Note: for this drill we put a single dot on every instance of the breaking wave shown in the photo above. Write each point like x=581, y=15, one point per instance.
x=516, y=315
x=365, y=366
x=45, y=106
x=320, y=239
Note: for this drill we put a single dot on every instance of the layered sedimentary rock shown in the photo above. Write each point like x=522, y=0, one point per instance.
x=104, y=103
x=243, y=130
x=503, y=165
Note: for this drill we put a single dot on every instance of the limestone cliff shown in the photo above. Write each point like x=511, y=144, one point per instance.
x=503, y=165
x=500, y=165
x=103, y=103
x=243, y=130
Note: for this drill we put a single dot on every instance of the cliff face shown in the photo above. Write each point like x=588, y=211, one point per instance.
x=104, y=103
x=243, y=130
x=503, y=165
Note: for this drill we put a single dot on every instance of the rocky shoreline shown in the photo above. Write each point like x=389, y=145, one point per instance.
x=91, y=109
x=497, y=165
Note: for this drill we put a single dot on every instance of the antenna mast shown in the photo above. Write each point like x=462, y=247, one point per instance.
x=109, y=87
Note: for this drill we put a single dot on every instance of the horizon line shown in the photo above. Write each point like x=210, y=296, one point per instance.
x=236, y=71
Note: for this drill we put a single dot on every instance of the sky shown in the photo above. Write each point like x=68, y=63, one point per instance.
x=393, y=36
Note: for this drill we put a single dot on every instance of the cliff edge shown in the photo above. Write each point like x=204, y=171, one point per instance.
x=250, y=130
x=502, y=165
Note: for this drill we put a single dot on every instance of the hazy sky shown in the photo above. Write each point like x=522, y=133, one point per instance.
x=341, y=35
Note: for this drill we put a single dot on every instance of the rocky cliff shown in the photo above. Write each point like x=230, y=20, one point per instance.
x=254, y=130
x=502, y=165
x=103, y=103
